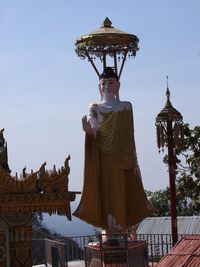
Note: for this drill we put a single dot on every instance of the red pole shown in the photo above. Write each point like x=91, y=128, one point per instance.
x=172, y=178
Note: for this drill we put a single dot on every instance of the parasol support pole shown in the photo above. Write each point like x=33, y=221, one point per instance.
x=124, y=59
x=91, y=61
x=104, y=61
x=115, y=62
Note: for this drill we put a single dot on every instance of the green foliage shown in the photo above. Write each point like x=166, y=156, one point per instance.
x=187, y=166
x=160, y=202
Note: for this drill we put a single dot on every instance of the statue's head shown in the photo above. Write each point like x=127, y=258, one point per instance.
x=108, y=83
x=108, y=72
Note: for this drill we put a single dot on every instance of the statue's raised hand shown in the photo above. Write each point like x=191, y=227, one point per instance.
x=86, y=125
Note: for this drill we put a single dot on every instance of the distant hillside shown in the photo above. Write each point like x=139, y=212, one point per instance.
x=63, y=226
x=40, y=233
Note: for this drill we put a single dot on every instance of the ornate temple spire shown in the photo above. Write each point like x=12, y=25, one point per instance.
x=3, y=152
x=169, y=112
x=166, y=115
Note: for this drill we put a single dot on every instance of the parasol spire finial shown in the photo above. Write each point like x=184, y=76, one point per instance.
x=107, y=23
x=167, y=92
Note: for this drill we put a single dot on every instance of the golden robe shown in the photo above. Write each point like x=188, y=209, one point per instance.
x=112, y=180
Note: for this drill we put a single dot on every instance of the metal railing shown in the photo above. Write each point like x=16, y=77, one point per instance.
x=158, y=246
x=76, y=246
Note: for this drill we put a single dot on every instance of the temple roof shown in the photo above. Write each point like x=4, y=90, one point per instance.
x=40, y=191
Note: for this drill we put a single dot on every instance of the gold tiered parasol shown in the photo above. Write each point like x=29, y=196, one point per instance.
x=107, y=41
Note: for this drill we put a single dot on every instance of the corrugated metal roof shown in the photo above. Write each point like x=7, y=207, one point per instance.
x=188, y=245
x=173, y=261
x=186, y=253
x=162, y=225
x=194, y=262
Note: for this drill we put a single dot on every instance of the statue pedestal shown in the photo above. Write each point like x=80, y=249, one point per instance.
x=132, y=253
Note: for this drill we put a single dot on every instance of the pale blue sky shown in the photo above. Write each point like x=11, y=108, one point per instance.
x=45, y=88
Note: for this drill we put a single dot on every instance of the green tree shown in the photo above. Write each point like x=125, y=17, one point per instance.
x=187, y=160
x=160, y=202
x=188, y=172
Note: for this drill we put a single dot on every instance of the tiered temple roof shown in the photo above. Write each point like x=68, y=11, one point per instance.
x=40, y=191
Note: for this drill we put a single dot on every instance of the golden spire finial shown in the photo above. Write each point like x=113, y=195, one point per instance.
x=107, y=23
x=167, y=92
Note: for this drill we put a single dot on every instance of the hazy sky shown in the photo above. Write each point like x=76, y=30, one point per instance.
x=45, y=89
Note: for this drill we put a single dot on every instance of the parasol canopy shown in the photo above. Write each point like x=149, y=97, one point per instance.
x=107, y=41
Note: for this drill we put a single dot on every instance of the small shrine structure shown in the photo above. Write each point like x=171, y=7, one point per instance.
x=40, y=191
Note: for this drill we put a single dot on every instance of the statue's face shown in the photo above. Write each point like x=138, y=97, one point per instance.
x=109, y=86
